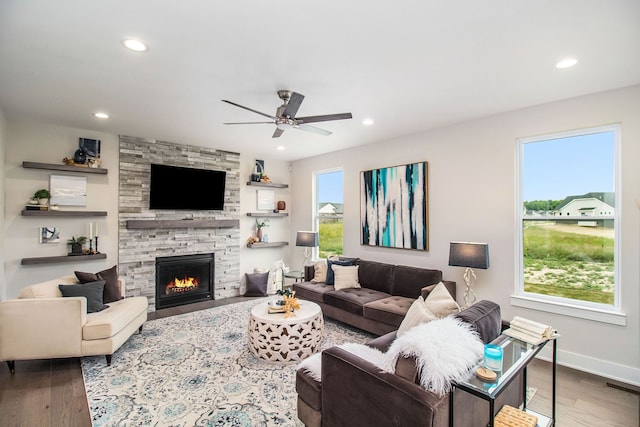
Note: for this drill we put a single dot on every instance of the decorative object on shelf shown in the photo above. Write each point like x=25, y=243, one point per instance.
x=281, y=205
x=266, y=200
x=260, y=224
x=90, y=146
x=259, y=167
x=49, y=235
x=69, y=162
x=76, y=244
x=68, y=190
x=469, y=255
x=80, y=157
x=255, y=177
x=265, y=178
x=288, y=303
x=394, y=207
x=93, y=234
x=251, y=240
x=306, y=239
x=42, y=196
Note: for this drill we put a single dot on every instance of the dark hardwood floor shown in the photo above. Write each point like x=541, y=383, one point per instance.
x=51, y=392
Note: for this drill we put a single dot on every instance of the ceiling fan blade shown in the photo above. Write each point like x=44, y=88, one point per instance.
x=313, y=129
x=277, y=133
x=248, y=123
x=324, y=118
x=249, y=109
x=293, y=105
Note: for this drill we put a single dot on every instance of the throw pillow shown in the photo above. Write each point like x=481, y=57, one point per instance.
x=92, y=291
x=345, y=277
x=440, y=302
x=111, y=285
x=331, y=262
x=418, y=313
x=319, y=271
x=256, y=284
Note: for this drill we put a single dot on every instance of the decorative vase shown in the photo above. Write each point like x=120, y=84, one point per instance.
x=259, y=234
x=42, y=202
x=76, y=248
x=281, y=205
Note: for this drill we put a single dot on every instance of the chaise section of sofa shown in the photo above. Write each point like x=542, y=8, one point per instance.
x=42, y=324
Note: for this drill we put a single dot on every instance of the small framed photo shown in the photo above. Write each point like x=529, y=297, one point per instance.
x=49, y=235
x=266, y=200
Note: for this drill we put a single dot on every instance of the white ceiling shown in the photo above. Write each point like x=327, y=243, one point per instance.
x=409, y=65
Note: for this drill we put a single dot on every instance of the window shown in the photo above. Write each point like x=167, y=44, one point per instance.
x=568, y=219
x=329, y=208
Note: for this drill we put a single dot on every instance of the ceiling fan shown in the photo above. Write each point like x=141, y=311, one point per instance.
x=285, y=117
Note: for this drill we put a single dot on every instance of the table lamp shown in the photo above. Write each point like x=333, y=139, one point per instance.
x=306, y=239
x=469, y=255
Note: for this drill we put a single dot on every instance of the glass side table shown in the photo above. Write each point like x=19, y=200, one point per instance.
x=517, y=355
x=297, y=275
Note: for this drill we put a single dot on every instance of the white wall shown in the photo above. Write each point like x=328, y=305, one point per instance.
x=37, y=142
x=472, y=175
x=3, y=202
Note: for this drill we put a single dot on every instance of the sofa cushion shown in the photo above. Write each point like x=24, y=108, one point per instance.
x=440, y=302
x=409, y=281
x=330, y=263
x=48, y=289
x=418, y=313
x=352, y=300
x=112, y=320
x=390, y=310
x=312, y=291
x=111, y=286
x=92, y=291
x=345, y=277
x=320, y=271
x=485, y=317
x=256, y=284
x=375, y=275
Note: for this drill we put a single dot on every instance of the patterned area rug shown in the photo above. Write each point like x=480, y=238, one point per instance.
x=196, y=369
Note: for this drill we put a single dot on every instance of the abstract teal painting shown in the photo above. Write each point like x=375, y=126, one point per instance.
x=394, y=207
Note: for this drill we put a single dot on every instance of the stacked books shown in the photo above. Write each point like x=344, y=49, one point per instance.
x=36, y=207
x=275, y=308
x=530, y=331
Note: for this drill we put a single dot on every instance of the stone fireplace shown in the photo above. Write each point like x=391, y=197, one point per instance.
x=184, y=279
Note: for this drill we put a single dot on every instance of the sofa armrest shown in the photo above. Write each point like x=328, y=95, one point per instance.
x=345, y=377
x=35, y=328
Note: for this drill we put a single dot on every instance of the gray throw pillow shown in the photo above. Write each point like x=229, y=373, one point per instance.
x=256, y=284
x=111, y=285
x=91, y=291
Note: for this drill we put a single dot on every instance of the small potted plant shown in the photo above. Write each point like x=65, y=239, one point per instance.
x=76, y=244
x=42, y=196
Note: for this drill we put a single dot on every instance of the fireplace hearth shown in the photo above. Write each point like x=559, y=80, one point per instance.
x=184, y=279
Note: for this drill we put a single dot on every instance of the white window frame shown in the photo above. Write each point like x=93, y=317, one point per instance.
x=575, y=308
x=316, y=202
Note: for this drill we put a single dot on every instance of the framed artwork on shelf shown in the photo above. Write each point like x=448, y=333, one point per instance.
x=394, y=207
x=266, y=200
x=49, y=235
x=68, y=190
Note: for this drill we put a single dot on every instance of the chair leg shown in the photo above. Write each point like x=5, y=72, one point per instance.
x=108, y=356
x=12, y=366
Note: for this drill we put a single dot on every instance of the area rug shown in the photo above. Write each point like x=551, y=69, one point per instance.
x=196, y=369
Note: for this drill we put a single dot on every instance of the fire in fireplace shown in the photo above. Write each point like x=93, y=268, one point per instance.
x=184, y=279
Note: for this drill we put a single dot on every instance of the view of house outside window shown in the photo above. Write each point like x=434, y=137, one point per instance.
x=568, y=216
x=329, y=212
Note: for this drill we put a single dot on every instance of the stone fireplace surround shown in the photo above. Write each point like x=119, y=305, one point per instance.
x=212, y=231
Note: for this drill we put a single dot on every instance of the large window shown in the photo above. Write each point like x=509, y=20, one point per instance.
x=329, y=212
x=568, y=220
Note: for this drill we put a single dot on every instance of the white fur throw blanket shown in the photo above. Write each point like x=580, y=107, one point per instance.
x=445, y=349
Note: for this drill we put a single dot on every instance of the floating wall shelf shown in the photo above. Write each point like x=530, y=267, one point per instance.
x=267, y=184
x=63, y=213
x=141, y=224
x=64, y=258
x=65, y=168
x=266, y=214
x=267, y=245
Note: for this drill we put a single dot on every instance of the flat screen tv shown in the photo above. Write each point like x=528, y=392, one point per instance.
x=174, y=187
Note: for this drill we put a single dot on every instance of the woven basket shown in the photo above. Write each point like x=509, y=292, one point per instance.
x=512, y=417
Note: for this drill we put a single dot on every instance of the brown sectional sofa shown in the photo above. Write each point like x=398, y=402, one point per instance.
x=354, y=392
x=387, y=291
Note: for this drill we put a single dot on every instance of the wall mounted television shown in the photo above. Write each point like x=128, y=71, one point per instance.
x=180, y=188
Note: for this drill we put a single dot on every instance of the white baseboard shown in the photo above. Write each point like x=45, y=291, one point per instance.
x=614, y=371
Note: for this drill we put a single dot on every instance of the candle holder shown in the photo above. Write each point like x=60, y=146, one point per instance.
x=90, y=247
x=96, y=245
x=493, y=357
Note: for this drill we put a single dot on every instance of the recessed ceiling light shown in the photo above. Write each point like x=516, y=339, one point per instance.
x=280, y=147
x=101, y=115
x=135, y=45
x=566, y=63
x=367, y=122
